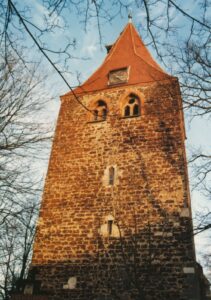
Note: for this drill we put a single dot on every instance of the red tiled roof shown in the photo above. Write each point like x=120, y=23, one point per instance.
x=130, y=51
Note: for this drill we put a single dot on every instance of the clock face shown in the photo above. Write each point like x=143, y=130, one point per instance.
x=118, y=76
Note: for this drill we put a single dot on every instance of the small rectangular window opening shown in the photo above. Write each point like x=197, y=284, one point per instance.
x=118, y=76
x=111, y=175
x=110, y=225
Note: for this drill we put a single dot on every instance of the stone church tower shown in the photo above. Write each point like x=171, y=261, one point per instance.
x=115, y=220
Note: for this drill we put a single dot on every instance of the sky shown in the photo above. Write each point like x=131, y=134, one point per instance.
x=89, y=54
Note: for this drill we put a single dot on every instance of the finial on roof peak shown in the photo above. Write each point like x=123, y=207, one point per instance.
x=130, y=17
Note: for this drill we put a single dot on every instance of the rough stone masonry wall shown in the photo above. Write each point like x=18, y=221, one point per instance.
x=152, y=256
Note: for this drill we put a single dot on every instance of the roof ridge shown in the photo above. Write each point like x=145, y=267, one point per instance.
x=158, y=68
x=108, y=57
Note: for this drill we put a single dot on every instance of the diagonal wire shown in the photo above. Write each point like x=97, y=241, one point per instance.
x=46, y=56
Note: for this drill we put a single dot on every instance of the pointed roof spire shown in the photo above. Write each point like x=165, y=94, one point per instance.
x=128, y=52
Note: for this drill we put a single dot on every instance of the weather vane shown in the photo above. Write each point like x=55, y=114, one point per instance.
x=130, y=17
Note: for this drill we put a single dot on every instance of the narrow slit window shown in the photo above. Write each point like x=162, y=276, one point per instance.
x=111, y=175
x=110, y=225
x=127, y=111
x=104, y=114
x=95, y=115
x=136, y=110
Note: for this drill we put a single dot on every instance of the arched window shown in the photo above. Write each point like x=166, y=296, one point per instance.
x=100, y=111
x=132, y=106
x=136, y=110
